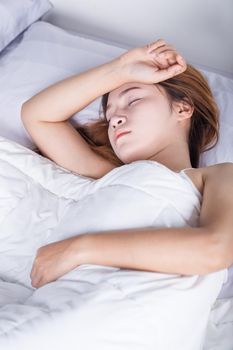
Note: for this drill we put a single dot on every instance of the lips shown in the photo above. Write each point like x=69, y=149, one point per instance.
x=121, y=133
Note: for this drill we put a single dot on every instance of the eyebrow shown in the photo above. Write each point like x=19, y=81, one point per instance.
x=123, y=93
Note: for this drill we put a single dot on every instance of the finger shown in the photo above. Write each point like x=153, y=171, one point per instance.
x=34, y=277
x=161, y=63
x=163, y=49
x=172, y=58
x=163, y=54
x=164, y=61
x=156, y=44
x=166, y=57
x=173, y=55
x=181, y=60
x=32, y=272
x=169, y=72
x=35, y=282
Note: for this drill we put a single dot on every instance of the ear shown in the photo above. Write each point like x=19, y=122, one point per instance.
x=183, y=110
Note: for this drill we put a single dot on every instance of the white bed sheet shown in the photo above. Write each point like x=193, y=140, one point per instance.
x=31, y=63
x=100, y=307
x=45, y=54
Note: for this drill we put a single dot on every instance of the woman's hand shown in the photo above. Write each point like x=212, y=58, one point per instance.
x=55, y=260
x=151, y=63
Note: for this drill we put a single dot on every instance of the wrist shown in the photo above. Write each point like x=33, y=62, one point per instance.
x=79, y=249
x=118, y=70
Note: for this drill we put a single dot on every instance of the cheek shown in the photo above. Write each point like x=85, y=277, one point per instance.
x=149, y=116
x=159, y=113
x=110, y=135
x=154, y=124
x=111, y=138
x=153, y=107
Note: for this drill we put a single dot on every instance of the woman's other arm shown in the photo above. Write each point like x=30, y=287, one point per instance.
x=182, y=250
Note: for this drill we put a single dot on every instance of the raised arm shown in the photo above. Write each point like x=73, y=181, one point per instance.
x=45, y=117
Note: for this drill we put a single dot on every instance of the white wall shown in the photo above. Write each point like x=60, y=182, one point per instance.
x=202, y=30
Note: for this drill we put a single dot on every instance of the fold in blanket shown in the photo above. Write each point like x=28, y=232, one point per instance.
x=95, y=306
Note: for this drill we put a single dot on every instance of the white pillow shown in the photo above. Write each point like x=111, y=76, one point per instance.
x=16, y=16
x=39, y=57
x=222, y=88
x=45, y=53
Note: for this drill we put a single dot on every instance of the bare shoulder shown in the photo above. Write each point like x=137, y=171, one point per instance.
x=216, y=173
x=219, y=172
x=217, y=206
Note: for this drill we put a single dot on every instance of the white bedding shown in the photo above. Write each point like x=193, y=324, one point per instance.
x=95, y=306
x=88, y=301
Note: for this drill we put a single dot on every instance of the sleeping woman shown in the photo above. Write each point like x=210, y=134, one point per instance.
x=155, y=107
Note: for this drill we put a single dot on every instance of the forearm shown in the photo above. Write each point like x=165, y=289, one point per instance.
x=182, y=250
x=61, y=100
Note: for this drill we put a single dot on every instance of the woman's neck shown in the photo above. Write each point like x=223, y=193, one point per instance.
x=173, y=157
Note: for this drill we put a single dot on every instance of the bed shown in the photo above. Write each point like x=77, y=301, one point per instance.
x=92, y=306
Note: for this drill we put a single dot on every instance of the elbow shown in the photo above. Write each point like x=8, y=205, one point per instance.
x=23, y=111
x=26, y=115
x=26, y=110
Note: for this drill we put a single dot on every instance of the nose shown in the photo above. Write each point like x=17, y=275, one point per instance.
x=117, y=120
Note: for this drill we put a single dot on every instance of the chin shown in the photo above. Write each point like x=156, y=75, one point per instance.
x=127, y=159
x=127, y=155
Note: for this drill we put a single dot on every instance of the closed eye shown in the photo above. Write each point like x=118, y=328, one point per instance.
x=128, y=105
x=133, y=101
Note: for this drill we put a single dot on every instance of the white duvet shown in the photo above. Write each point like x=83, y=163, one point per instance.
x=93, y=306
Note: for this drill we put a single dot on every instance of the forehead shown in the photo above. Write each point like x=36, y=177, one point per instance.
x=117, y=93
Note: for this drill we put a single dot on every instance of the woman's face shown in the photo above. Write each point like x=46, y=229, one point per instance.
x=145, y=112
